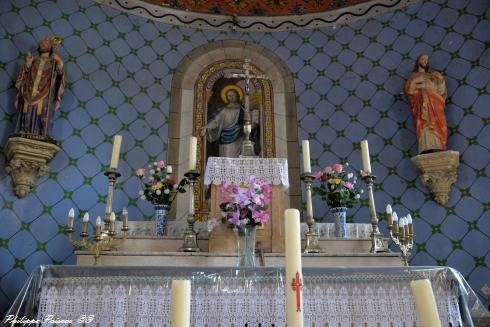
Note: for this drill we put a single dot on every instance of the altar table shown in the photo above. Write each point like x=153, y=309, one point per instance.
x=130, y=296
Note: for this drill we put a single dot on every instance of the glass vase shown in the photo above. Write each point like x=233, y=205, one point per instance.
x=339, y=218
x=161, y=213
x=246, y=245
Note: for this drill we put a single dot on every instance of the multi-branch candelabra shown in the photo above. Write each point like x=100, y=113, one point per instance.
x=103, y=239
x=401, y=233
x=190, y=236
x=312, y=245
x=377, y=244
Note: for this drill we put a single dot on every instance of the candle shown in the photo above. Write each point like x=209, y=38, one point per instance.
x=389, y=216
x=410, y=225
x=192, y=153
x=401, y=228
x=395, y=222
x=294, y=274
x=305, y=144
x=112, y=220
x=180, y=305
x=116, y=148
x=85, y=224
x=71, y=218
x=98, y=223
x=169, y=169
x=125, y=218
x=366, y=163
x=425, y=303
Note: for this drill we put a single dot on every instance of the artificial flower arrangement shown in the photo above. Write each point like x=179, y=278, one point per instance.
x=158, y=186
x=246, y=204
x=338, y=187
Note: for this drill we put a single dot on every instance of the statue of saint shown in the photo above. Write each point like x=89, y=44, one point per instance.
x=226, y=127
x=426, y=93
x=40, y=87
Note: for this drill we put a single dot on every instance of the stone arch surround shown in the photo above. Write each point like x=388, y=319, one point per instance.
x=182, y=106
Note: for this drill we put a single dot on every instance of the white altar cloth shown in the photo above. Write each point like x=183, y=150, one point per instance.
x=347, y=297
x=238, y=170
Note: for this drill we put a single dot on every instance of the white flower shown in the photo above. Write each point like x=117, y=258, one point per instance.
x=155, y=163
x=141, y=192
x=167, y=191
x=332, y=187
x=350, y=175
x=152, y=171
x=362, y=191
x=143, y=197
x=158, y=192
x=358, y=196
x=176, y=186
x=346, y=164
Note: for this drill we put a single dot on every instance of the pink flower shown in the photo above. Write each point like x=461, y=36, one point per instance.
x=161, y=164
x=318, y=174
x=140, y=172
x=338, y=168
x=328, y=170
x=348, y=185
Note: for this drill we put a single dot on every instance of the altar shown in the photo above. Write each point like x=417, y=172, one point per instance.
x=119, y=296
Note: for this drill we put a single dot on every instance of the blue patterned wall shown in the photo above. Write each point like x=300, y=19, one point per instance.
x=348, y=82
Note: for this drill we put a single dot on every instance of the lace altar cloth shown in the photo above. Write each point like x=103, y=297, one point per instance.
x=238, y=170
x=116, y=296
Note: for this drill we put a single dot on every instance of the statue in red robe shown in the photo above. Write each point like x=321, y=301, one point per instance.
x=40, y=87
x=426, y=93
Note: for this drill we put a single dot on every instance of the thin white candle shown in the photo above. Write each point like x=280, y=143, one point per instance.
x=192, y=152
x=305, y=145
x=85, y=220
x=125, y=217
x=294, y=307
x=71, y=218
x=366, y=162
x=180, y=305
x=425, y=303
x=116, y=149
x=98, y=227
x=112, y=222
x=389, y=214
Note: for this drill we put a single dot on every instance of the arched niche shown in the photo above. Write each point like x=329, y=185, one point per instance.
x=184, y=104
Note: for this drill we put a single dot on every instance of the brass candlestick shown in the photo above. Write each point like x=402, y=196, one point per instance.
x=377, y=244
x=190, y=236
x=312, y=245
x=102, y=240
x=112, y=176
x=402, y=234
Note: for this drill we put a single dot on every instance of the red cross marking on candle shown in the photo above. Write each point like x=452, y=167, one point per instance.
x=296, y=284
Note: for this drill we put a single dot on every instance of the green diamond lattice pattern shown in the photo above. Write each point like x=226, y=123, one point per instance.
x=348, y=82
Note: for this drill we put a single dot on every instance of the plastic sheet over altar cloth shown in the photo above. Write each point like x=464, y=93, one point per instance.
x=115, y=296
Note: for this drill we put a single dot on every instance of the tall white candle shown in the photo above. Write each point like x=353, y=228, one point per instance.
x=366, y=162
x=125, y=218
x=192, y=153
x=116, y=149
x=293, y=269
x=98, y=226
x=389, y=213
x=305, y=145
x=71, y=218
x=425, y=303
x=180, y=305
x=85, y=220
x=112, y=220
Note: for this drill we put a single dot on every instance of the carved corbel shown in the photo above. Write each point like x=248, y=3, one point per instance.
x=438, y=172
x=27, y=160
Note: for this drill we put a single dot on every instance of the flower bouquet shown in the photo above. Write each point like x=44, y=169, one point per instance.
x=244, y=207
x=160, y=189
x=339, y=190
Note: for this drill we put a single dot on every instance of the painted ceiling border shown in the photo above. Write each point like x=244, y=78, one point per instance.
x=256, y=23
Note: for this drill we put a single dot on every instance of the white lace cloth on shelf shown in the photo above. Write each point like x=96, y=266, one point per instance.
x=236, y=301
x=238, y=170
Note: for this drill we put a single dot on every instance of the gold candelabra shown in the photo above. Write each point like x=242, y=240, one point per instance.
x=102, y=240
x=190, y=236
x=377, y=244
x=401, y=233
x=312, y=245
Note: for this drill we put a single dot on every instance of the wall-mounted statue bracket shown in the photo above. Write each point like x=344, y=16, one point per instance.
x=27, y=160
x=438, y=172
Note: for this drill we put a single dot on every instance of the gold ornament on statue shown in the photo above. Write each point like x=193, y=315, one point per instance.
x=56, y=41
